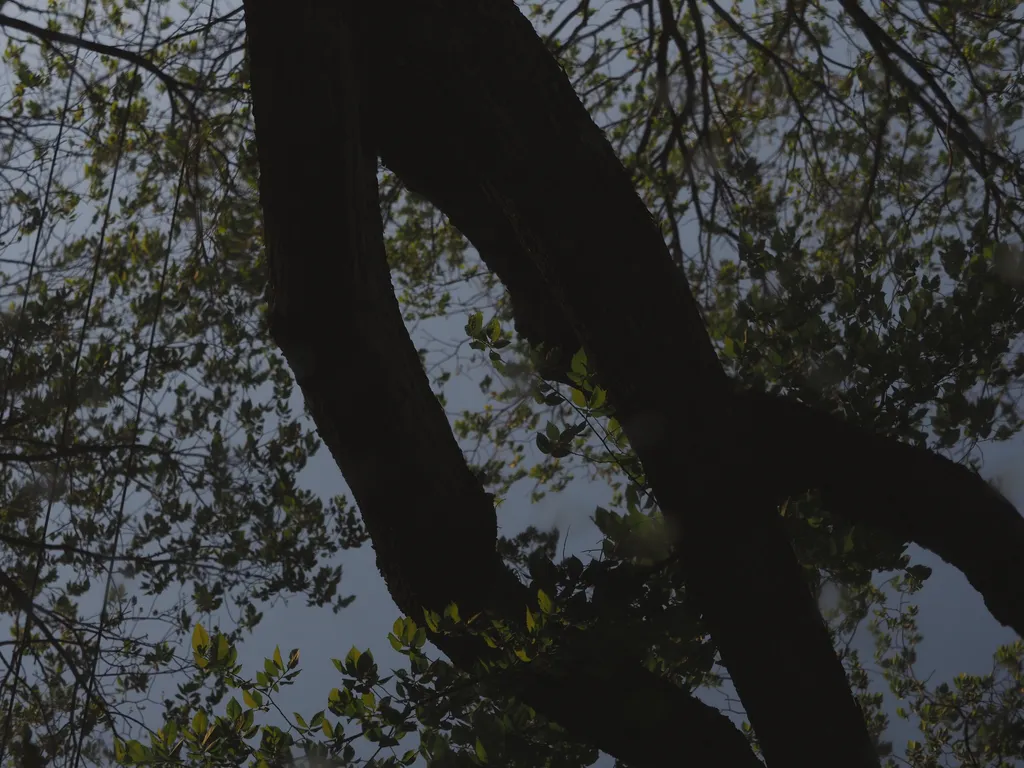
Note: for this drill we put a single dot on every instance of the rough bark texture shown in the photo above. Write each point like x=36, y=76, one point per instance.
x=469, y=107
x=913, y=494
x=334, y=314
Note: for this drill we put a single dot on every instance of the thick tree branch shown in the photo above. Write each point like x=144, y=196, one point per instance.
x=335, y=316
x=909, y=492
x=472, y=110
x=914, y=494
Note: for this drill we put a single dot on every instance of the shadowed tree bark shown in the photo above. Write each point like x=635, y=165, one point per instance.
x=335, y=316
x=915, y=494
x=470, y=110
x=474, y=113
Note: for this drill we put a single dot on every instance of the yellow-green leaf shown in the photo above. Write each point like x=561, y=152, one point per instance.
x=353, y=656
x=432, y=619
x=544, y=601
x=200, y=638
x=579, y=362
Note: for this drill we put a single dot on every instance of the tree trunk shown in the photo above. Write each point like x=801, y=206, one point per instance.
x=334, y=314
x=914, y=495
x=469, y=106
x=500, y=130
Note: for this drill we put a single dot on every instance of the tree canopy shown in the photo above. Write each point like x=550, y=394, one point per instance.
x=755, y=268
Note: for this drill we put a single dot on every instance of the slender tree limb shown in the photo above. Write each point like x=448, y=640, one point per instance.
x=24, y=603
x=51, y=37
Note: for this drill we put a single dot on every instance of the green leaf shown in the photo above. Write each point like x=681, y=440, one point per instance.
x=452, y=612
x=136, y=751
x=544, y=601
x=419, y=638
x=481, y=753
x=223, y=647
x=579, y=362
x=475, y=324
x=365, y=665
x=919, y=571
x=200, y=638
x=433, y=619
